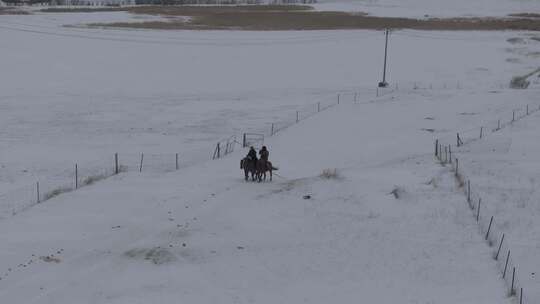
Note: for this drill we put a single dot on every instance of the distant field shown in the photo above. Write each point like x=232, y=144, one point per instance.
x=81, y=9
x=301, y=18
x=171, y=10
x=526, y=15
x=11, y=11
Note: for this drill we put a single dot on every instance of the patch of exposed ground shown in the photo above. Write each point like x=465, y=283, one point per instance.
x=526, y=15
x=12, y=11
x=81, y=9
x=522, y=82
x=302, y=18
x=156, y=255
x=516, y=40
x=171, y=10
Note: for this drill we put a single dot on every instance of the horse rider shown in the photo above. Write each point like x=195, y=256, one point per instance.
x=252, y=155
x=264, y=154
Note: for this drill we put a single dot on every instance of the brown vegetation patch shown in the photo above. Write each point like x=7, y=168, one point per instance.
x=301, y=18
x=526, y=15
x=82, y=10
x=12, y=11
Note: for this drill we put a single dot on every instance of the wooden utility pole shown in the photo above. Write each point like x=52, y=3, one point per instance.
x=383, y=83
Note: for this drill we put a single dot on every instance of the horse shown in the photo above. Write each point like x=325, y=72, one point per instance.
x=262, y=167
x=249, y=167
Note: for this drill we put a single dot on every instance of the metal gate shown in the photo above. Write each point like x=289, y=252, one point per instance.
x=250, y=139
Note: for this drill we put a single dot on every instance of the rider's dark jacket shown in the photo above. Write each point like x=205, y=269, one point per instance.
x=264, y=154
x=252, y=154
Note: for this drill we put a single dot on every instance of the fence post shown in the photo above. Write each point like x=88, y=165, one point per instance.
x=506, y=264
x=76, y=176
x=338, y=98
x=469, y=192
x=457, y=139
x=450, y=153
x=140, y=166
x=527, y=109
x=116, y=169
x=436, y=147
x=457, y=166
x=37, y=193
x=481, y=131
x=478, y=210
x=489, y=227
x=244, y=141
x=297, y=117
x=445, y=154
x=513, y=115
x=500, y=245
x=521, y=296
x=512, y=291
x=176, y=161
x=218, y=151
x=272, y=130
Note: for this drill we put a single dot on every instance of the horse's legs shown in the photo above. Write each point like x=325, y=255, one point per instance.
x=246, y=173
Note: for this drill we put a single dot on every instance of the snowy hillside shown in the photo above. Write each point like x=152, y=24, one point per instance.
x=503, y=169
x=359, y=210
x=203, y=235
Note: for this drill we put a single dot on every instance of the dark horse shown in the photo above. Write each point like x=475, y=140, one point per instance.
x=249, y=167
x=257, y=170
x=262, y=167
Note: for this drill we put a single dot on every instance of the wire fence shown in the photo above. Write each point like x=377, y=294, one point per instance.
x=464, y=137
x=226, y=146
x=86, y=173
x=83, y=174
x=257, y=135
x=495, y=237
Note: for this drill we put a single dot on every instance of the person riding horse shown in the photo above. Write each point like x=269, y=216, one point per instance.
x=257, y=168
x=252, y=155
x=264, y=154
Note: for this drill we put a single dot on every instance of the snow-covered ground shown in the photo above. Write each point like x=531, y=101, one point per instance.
x=97, y=92
x=432, y=8
x=203, y=235
x=503, y=169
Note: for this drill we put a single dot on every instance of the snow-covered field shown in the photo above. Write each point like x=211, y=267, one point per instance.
x=201, y=234
x=433, y=8
x=95, y=92
x=503, y=169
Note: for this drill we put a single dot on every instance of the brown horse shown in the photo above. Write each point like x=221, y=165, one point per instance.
x=249, y=167
x=262, y=167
